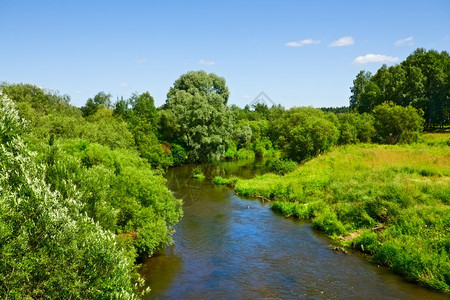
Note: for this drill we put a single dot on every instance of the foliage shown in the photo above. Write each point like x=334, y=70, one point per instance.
x=120, y=191
x=281, y=166
x=100, y=100
x=421, y=81
x=355, y=128
x=178, y=154
x=142, y=119
x=397, y=124
x=49, y=248
x=305, y=132
x=199, y=103
x=218, y=180
x=198, y=173
x=389, y=201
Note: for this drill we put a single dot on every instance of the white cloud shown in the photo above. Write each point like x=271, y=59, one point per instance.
x=207, y=62
x=123, y=84
x=141, y=61
x=78, y=92
x=373, y=58
x=343, y=41
x=302, y=43
x=409, y=41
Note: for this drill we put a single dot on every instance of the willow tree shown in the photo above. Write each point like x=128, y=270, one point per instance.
x=198, y=101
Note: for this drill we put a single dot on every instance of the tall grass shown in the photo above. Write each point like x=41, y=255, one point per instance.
x=390, y=201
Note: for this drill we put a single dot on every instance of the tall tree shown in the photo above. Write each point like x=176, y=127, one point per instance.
x=434, y=68
x=358, y=90
x=93, y=104
x=199, y=103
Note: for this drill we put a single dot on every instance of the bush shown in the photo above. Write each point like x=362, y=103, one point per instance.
x=198, y=173
x=231, y=151
x=179, y=154
x=281, y=166
x=329, y=223
x=309, y=133
x=218, y=180
x=245, y=153
x=397, y=124
x=50, y=249
x=368, y=242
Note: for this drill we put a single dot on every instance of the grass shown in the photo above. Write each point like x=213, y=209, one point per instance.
x=392, y=202
x=198, y=173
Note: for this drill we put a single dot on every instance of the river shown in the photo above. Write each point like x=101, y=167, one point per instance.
x=228, y=247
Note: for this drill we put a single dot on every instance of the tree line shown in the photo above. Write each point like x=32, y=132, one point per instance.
x=422, y=81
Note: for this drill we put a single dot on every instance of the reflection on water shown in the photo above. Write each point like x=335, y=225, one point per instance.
x=227, y=247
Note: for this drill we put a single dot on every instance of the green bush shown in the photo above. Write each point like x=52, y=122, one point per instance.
x=245, y=153
x=50, y=249
x=179, y=154
x=368, y=241
x=397, y=124
x=281, y=166
x=231, y=151
x=198, y=173
x=218, y=180
x=329, y=223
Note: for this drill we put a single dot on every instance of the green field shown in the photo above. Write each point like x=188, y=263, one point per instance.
x=389, y=201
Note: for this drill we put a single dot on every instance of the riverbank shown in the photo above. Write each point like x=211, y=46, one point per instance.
x=389, y=201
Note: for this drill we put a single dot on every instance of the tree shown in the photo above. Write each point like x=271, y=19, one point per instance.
x=304, y=132
x=358, y=90
x=142, y=117
x=93, y=104
x=355, y=128
x=433, y=66
x=422, y=80
x=397, y=124
x=199, y=102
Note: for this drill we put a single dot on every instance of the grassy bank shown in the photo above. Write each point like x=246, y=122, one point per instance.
x=392, y=202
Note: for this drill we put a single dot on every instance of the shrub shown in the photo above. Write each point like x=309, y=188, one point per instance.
x=179, y=154
x=328, y=222
x=50, y=249
x=245, y=153
x=218, y=180
x=397, y=124
x=368, y=241
x=198, y=173
x=281, y=166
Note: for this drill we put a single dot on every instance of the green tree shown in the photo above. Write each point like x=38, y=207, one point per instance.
x=93, y=104
x=359, y=90
x=355, y=128
x=142, y=117
x=397, y=124
x=421, y=80
x=199, y=102
x=305, y=132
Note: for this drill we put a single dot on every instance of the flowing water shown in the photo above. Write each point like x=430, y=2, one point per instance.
x=227, y=247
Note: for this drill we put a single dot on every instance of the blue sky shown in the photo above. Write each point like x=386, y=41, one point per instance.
x=300, y=53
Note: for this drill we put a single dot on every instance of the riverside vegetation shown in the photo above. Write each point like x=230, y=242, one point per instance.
x=389, y=201
x=82, y=194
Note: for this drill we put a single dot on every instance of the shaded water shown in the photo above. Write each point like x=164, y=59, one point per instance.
x=227, y=247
